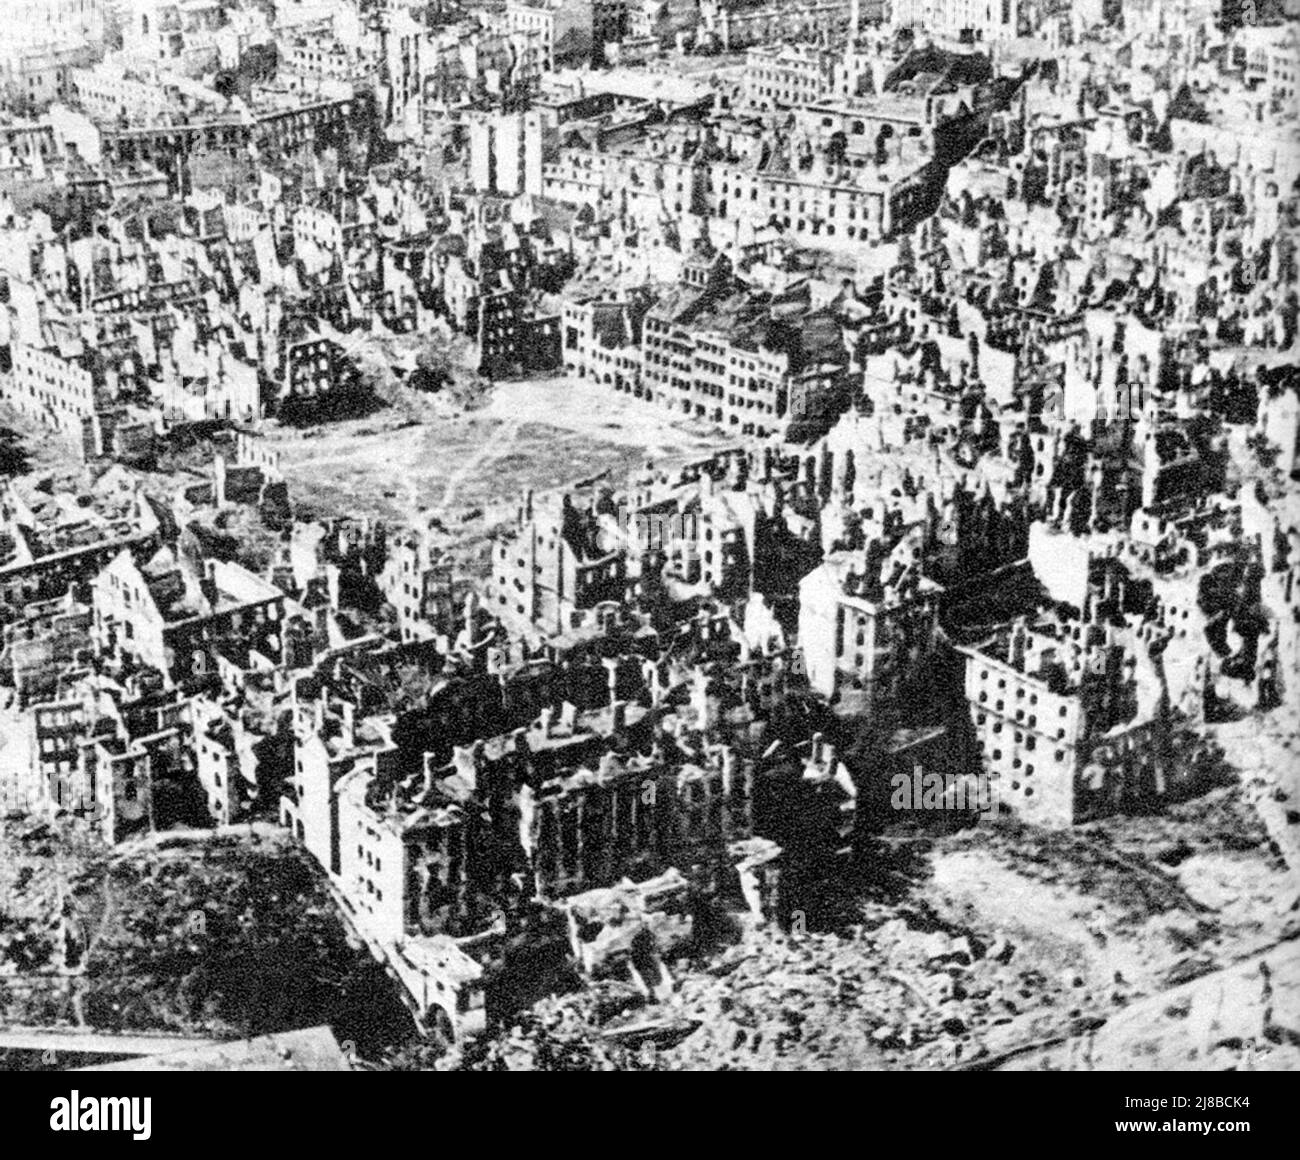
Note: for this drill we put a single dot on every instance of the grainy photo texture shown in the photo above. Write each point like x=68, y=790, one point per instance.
x=648, y=535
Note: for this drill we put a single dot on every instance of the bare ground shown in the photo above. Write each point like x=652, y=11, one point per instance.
x=469, y=470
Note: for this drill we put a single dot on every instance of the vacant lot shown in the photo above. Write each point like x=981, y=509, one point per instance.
x=469, y=470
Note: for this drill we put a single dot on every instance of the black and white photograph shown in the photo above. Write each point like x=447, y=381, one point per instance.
x=649, y=536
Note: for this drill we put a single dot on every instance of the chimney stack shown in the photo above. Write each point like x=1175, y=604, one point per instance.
x=468, y=761
x=349, y=723
x=219, y=480
x=546, y=720
x=568, y=716
x=727, y=753
x=650, y=675
x=1019, y=639
x=611, y=667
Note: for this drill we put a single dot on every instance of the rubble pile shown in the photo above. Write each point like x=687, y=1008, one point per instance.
x=1222, y=821
x=42, y=866
x=620, y=932
x=557, y=1034
x=1085, y=860
x=218, y=936
x=907, y=992
x=1245, y=1018
x=1264, y=752
x=930, y=980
